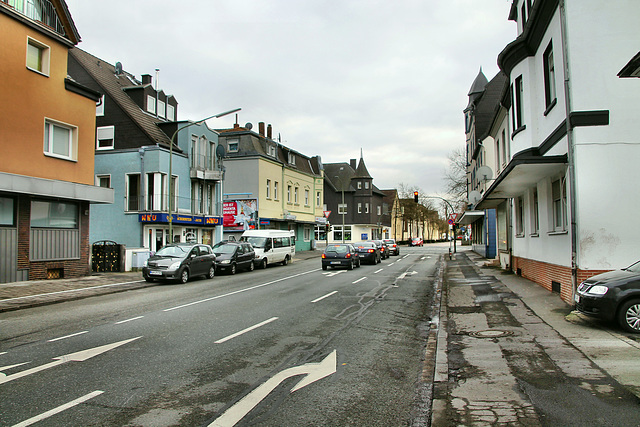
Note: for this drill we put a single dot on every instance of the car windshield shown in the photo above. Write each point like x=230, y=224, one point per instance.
x=174, y=251
x=337, y=249
x=634, y=268
x=365, y=245
x=224, y=249
x=256, y=242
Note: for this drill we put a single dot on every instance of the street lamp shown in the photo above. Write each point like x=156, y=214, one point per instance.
x=343, y=213
x=215, y=116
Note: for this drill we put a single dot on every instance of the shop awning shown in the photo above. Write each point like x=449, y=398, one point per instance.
x=469, y=217
x=522, y=173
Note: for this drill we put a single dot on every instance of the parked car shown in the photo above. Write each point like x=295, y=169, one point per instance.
x=180, y=262
x=614, y=295
x=232, y=256
x=271, y=246
x=384, y=250
x=368, y=252
x=416, y=241
x=394, y=249
x=340, y=255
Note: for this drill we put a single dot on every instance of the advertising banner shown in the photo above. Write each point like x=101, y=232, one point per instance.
x=240, y=214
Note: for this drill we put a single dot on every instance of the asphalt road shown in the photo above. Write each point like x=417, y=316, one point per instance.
x=290, y=345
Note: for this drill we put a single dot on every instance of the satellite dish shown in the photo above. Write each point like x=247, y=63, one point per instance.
x=485, y=173
x=220, y=151
x=118, y=68
x=474, y=196
x=248, y=126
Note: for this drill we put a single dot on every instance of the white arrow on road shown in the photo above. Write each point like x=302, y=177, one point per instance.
x=79, y=356
x=406, y=273
x=313, y=371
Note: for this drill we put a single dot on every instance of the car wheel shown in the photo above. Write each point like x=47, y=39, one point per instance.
x=232, y=270
x=324, y=267
x=286, y=260
x=212, y=272
x=629, y=316
x=148, y=279
x=263, y=264
x=251, y=266
x=184, y=276
x=358, y=264
x=350, y=266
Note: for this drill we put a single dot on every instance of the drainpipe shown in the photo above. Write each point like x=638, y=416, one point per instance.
x=141, y=151
x=570, y=150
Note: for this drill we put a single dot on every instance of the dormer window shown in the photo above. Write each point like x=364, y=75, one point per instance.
x=292, y=159
x=271, y=150
x=151, y=104
x=233, y=146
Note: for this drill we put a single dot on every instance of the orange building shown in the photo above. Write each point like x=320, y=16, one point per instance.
x=47, y=138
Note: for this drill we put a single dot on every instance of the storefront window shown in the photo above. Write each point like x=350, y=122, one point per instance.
x=54, y=214
x=7, y=211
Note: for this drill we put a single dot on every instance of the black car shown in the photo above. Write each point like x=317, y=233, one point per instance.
x=179, y=262
x=368, y=252
x=231, y=256
x=613, y=296
x=384, y=250
x=340, y=255
x=394, y=249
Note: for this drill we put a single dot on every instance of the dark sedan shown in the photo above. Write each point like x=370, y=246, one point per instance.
x=394, y=249
x=232, y=256
x=368, y=252
x=384, y=249
x=613, y=296
x=179, y=262
x=340, y=255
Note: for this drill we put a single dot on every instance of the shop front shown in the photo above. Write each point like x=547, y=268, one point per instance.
x=185, y=228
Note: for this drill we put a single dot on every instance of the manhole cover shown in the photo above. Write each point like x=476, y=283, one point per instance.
x=490, y=333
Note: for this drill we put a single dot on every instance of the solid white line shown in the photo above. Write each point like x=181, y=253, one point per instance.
x=359, y=280
x=239, y=291
x=71, y=290
x=4, y=352
x=405, y=256
x=323, y=297
x=378, y=271
x=244, y=331
x=59, y=409
x=68, y=336
x=129, y=320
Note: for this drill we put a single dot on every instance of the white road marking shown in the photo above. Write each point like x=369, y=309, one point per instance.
x=359, y=280
x=244, y=331
x=335, y=273
x=239, y=291
x=323, y=297
x=312, y=372
x=406, y=273
x=3, y=352
x=74, y=290
x=68, y=336
x=378, y=271
x=59, y=409
x=129, y=320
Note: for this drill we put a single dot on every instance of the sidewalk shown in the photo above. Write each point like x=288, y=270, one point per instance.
x=33, y=293
x=509, y=352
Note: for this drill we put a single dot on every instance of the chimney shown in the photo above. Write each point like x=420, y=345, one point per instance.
x=146, y=79
x=353, y=164
x=269, y=131
x=261, y=128
x=236, y=125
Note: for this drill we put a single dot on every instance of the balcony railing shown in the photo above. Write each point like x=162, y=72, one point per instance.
x=38, y=10
x=158, y=203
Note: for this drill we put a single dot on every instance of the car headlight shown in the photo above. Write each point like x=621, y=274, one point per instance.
x=225, y=261
x=146, y=263
x=598, y=290
x=175, y=265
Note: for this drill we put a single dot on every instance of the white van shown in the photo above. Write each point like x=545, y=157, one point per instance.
x=271, y=246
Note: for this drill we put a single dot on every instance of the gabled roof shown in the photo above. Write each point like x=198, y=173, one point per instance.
x=340, y=176
x=488, y=103
x=115, y=86
x=361, y=170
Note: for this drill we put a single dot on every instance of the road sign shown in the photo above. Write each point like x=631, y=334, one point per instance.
x=326, y=213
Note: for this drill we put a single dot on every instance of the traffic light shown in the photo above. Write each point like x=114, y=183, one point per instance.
x=415, y=196
x=327, y=228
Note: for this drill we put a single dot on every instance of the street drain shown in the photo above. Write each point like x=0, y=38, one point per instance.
x=491, y=333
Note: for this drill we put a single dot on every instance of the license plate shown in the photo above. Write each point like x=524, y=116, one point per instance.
x=336, y=262
x=155, y=273
x=576, y=298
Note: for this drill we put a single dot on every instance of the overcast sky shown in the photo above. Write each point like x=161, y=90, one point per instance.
x=331, y=76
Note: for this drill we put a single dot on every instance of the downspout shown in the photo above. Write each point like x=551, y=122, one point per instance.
x=570, y=150
x=141, y=198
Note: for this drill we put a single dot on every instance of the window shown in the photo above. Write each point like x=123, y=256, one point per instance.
x=342, y=209
x=519, y=216
x=549, y=79
x=366, y=185
x=151, y=104
x=379, y=210
x=318, y=198
x=161, y=109
x=59, y=140
x=54, y=214
x=359, y=185
x=171, y=112
x=359, y=207
x=271, y=150
x=103, y=181
x=276, y=195
x=100, y=107
x=337, y=233
x=306, y=197
x=233, y=146
x=516, y=105
x=133, y=192
x=104, y=138
x=559, y=205
x=366, y=208
x=535, y=219
x=37, y=56
x=268, y=189
x=292, y=159
x=295, y=195
x=7, y=212
x=503, y=148
x=307, y=234
x=174, y=192
x=156, y=188
x=288, y=194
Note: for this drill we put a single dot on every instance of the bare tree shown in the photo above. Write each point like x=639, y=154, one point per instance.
x=455, y=177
